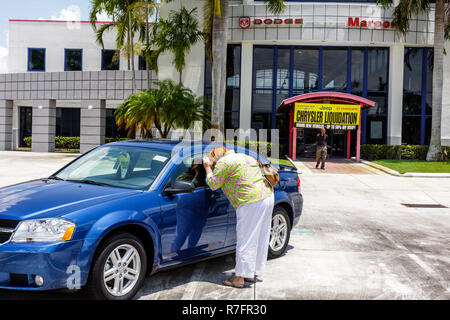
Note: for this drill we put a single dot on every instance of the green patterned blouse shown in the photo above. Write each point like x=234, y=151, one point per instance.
x=240, y=178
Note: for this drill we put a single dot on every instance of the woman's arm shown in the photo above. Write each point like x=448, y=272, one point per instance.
x=215, y=180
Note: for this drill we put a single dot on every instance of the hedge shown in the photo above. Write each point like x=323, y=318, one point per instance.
x=398, y=152
x=69, y=143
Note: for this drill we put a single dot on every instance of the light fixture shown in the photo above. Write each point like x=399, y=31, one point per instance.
x=39, y=281
x=90, y=107
x=40, y=107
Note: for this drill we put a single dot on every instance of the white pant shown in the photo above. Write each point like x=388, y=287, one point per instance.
x=254, y=221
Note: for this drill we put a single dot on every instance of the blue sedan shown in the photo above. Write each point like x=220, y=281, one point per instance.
x=121, y=212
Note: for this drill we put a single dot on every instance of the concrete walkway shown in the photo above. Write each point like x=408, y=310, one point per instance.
x=335, y=166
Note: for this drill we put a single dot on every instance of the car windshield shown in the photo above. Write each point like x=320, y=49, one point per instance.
x=117, y=166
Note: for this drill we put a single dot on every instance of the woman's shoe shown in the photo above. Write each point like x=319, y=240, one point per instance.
x=232, y=283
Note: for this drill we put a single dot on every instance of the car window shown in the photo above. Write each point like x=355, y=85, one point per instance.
x=118, y=166
x=191, y=169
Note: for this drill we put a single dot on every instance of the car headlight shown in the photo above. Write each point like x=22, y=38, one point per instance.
x=44, y=230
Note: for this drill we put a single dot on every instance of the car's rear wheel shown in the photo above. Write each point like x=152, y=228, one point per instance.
x=279, y=233
x=119, y=269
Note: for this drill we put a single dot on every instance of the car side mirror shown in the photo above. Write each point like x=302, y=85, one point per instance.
x=179, y=186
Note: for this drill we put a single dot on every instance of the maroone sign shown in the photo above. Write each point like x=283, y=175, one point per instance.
x=330, y=116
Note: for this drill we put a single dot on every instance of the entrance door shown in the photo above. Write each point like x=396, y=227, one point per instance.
x=25, y=124
x=337, y=141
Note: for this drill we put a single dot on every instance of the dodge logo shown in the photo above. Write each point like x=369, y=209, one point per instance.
x=244, y=22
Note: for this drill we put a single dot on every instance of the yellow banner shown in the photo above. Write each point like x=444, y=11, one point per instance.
x=327, y=114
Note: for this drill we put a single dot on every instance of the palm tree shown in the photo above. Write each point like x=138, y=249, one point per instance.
x=126, y=20
x=166, y=107
x=216, y=28
x=178, y=33
x=405, y=10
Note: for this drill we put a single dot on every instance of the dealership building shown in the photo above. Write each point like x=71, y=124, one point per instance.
x=62, y=83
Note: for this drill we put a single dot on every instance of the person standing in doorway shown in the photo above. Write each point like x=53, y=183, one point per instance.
x=321, y=148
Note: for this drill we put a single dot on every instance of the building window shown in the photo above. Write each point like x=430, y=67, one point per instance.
x=112, y=131
x=73, y=60
x=110, y=60
x=417, y=94
x=67, y=122
x=233, y=89
x=142, y=64
x=36, y=59
x=280, y=72
x=26, y=119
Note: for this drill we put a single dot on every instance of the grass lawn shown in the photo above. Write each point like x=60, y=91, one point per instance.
x=403, y=166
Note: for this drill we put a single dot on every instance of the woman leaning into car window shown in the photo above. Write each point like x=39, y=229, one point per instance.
x=241, y=180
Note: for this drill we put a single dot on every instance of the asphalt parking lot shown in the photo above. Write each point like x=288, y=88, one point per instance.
x=355, y=240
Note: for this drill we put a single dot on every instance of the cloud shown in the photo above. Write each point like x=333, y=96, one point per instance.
x=103, y=17
x=4, y=56
x=71, y=13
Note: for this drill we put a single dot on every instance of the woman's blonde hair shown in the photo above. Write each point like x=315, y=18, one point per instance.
x=217, y=153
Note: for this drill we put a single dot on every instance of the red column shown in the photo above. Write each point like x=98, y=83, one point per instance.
x=294, y=144
x=358, y=137
x=291, y=120
x=349, y=139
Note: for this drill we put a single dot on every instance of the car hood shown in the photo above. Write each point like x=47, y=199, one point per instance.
x=51, y=198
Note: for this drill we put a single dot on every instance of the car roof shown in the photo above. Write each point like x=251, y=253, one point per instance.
x=170, y=145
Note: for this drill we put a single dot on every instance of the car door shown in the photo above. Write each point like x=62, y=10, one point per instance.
x=193, y=223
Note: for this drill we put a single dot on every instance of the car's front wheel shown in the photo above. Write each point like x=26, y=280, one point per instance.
x=119, y=269
x=279, y=233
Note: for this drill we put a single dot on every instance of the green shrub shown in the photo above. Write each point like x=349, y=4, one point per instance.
x=252, y=145
x=69, y=143
x=398, y=152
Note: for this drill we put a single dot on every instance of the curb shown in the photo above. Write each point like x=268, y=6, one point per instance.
x=407, y=174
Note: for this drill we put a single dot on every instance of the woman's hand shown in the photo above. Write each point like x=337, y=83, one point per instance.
x=207, y=162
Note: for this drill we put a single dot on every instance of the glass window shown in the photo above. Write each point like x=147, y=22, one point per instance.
x=411, y=130
x=234, y=66
x=357, y=74
x=118, y=166
x=73, y=60
x=427, y=130
x=262, y=121
x=430, y=59
x=36, y=59
x=190, y=170
x=376, y=130
x=380, y=107
x=110, y=60
x=232, y=100
x=306, y=69
x=412, y=71
x=67, y=122
x=412, y=103
x=263, y=67
x=142, y=65
x=262, y=101
x=283, y=67
x=231, y=120
x=281, y=95
x=377, y=70
x=429, y=104
x=334, y=69
x=112, y=131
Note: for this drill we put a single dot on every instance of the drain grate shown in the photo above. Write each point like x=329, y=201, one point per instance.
x=423, y=205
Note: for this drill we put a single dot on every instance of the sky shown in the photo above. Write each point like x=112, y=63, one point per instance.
x=34, y=10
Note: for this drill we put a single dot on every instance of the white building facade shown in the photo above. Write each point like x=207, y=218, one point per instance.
x=342, y=46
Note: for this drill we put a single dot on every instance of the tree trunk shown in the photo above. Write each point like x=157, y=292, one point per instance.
x=218, y=68
x=435, y=149
x=131, y=34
